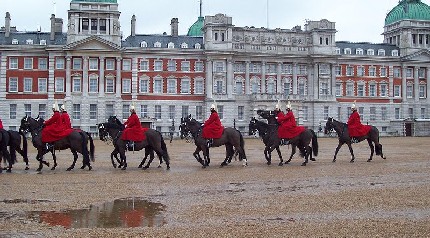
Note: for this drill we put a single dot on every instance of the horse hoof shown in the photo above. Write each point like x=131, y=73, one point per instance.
x=123, y=168
x=280, y=164
x=269, y=163
x=38, y=170
x=83, y=167
x=369, y=160
x=114, y=166
x=69, y=169
x=146, y=167
x=168, y=168
x=140, y=166
x=53, y=168
x=159, y=166
x=303, y=164
x=334, y=161
x=27, y=168
x=313, y=159
x=90, y=167
x=8, y=171
x=352, y=161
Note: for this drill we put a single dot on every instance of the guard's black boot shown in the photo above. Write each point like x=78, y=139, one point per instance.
x=209, y=142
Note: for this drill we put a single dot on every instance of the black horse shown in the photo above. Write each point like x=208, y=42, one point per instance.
x=154, y=141
x=231, y=138
x=76, y=141
x=342, y=131
x=148, y=149
x=15, y=140
x=4, y=142
x=271, y=142
x=302, y=141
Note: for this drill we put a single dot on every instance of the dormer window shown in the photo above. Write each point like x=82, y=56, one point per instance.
x=381, y=52
x=197, y=46
x=157, y=44
x=15, y=42
x=359, y=51
x=370, y=52
x=42, y=42
x=171, y=45
x=347, y=51
x=395, y=53
x=143, y=44
x=184, y=45
x=337, y=51
x=29, y=42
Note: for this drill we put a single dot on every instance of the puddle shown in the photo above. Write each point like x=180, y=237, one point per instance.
x=128, y=212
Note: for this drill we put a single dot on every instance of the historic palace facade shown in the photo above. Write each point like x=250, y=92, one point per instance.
x=96, y=73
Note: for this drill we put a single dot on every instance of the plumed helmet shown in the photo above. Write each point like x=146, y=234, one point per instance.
x=353, y=106
x=55, y=106
x=213, y=106
x=278, y=106
x=132, y=108
x=63, y=108
x=289, y=105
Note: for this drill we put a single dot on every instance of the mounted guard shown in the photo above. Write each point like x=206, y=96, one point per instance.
x=133, y=132
x=355, y=128
x=212, y=128
x=288, y=128
x=53, y=129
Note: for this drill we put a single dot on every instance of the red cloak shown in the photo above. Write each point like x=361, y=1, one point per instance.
x=54, y=129
x=287, y=126
x=65, y=119
x=133, y=129
x=355, y=128
x=1, y=124
x=212, y=128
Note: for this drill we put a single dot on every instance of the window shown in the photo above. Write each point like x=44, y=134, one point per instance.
x=28, y=63
x=126, y=64
x=85, y=24
x=93, y=111
x=42, y=111
x=158, y=86
x=199, y=67
x=338, y=70
x=198, y=86
x=143, y=85
x=219, y=87
x=42, y=85
x=301, y=88
x=409, y=73
x=185, y=66
x=383, y=90
x=221, y=112
x=372, y=71
x=171, y=86
x=338, y=89
x=219, y=67
x=158, y=65
x=197, y=46
x=370, y=52
x=43, y=64
x=359, y=51
x=110, y=87
x=172, y=112
x=185, y=86
x=397, y=113
x=372, y=114
x=59, y=63
x=423, y=113
x=59, y=85
x=28, y=85
x=350, y=89
x=360, y=71
x=337, y=51
x=184, y=45
x=93, y=84
x=239, y=88
x=383, y=72
x=143, y=111
x=13, y=85
x=110, y=64
x=360, y=90
x=349, y=71
x=29, y=42
x=27, y=110
x=109, y=111
x=409, y=91
x=288, y=69
x=125, y=109
x=372, y=90
x=347, y=51
x=12, y=111
x=143, y=44
x=185, y=111
x=421, y=73
x=303, y=70
x=15, y=42
x=171, y=65
x=144, y=65
x=157, y=112
x=13, y=63
x=126, y=85
x=76, y=84
x=76, y=112
x=339, y=113
x=287, y=88
x=422, y=91
x=240, y=112
x=157, y=44
x=381, y=52
x=94, y=64
x=394, y=53
x=271, y=87
x=171, y=45
x=411, y=112
x=305, y=113
x=326, y=112
x=396, y=90
x=383, y=113
x=199, y=113
x=77, y=63
x=396, y=72
x=324, y=88
x=271, y=68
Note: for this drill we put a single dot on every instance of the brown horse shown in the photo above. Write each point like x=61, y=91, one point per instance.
x=301, y=141
x=231, y=138
x=76, y=141
x=342, y=132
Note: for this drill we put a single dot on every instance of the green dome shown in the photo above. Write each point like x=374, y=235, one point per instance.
x=197, y=28
x=408, y=10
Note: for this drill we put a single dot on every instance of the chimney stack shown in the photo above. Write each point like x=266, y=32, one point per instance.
x=7, y=25
x=174, y=26
x=52, y=27
x=133, y=25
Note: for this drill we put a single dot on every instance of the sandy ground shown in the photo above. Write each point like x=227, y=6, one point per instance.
x=383, y=198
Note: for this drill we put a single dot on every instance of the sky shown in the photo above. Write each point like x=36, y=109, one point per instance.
x=356, y=20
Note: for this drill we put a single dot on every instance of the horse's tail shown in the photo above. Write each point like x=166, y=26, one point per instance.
x=24, y=146
x=92, y=148
x=242, y=145
x=164, y=147
x=84, y=147
x=314, y=143
x=12, y=149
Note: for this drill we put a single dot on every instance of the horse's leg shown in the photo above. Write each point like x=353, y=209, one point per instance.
x=114, y=155
x=293, y=152
x=151, y=158
x=75, y=158
x=123, y=160
x=229, y=152
x=267, y=155
x=337, y=151
x=54, y=157
x=144, y=159
x=351, y=151
x=308, y=151
x=372, y=149
x=197, y=156
x=39, y=157
x=281, y=160
x=21, y=152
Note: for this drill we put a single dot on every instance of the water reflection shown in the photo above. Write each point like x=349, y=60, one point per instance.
x=129, y=212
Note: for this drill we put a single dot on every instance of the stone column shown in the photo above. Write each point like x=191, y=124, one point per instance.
x=263, y=77
x=247, y=80
x=85, y=76
x=118, y=78
x=279, y=78
x=316, y=80
x=404, y=98
x=134, y=77
x=391, y=81
x=230, y=80
x=428, y=85
x=68, y=85
x=101, y=81
x=332, y=87
x=294, y=79
x=209, y=78
x=416, y=84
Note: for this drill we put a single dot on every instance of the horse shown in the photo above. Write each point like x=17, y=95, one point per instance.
x=4, y=142
x=266, y=131
x=76, y=141
x=148, y=150
x=302, y=141
x=154, y=140
x=15, y=146
x=342, y=131
x=231, y=138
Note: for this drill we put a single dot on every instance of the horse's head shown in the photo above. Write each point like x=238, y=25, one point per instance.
x=29, y=124
x=115, y=120
x=103, y=133
x=329, y=126
x=252, y=126
x=269, y=115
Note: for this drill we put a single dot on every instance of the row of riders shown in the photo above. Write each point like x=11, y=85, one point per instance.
x=281, y=129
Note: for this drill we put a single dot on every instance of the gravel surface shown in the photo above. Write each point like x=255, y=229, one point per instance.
x=383, y=198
